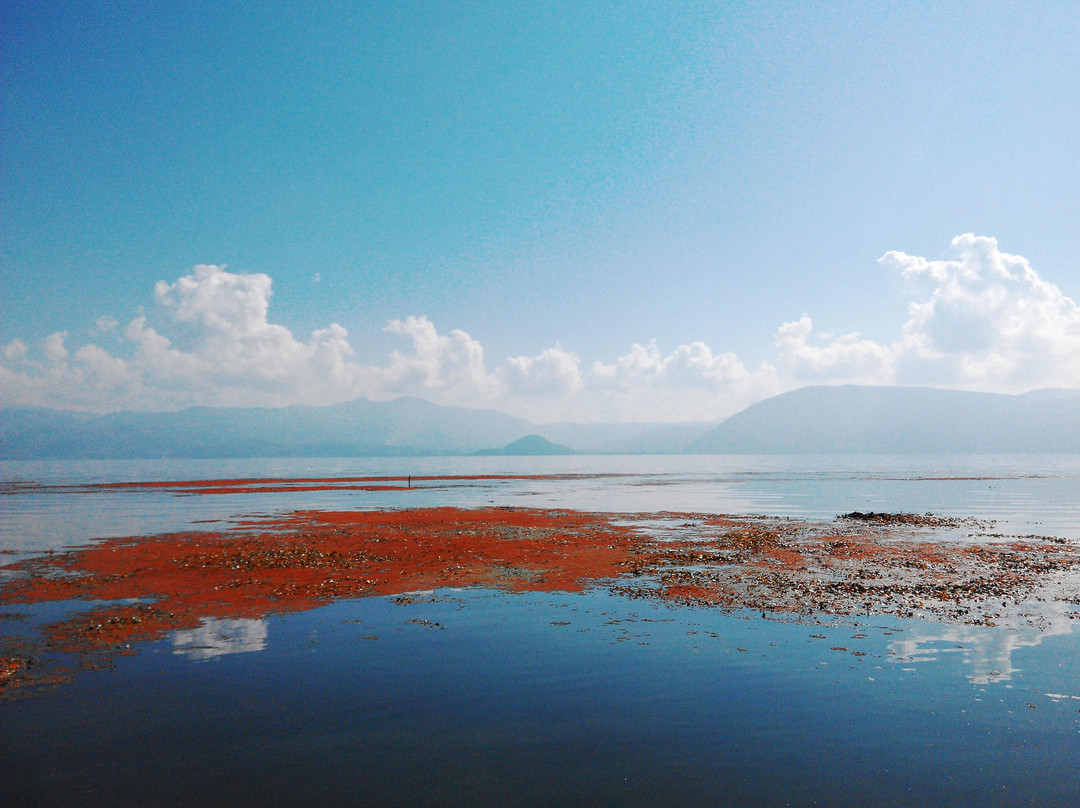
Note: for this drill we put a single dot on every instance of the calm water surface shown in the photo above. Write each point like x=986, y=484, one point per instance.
x=479, y=697
x=1023, y=494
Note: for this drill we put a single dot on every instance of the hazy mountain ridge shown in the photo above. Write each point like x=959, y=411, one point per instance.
x=848, y=419
x=405, y=426
x=402, y=427
x=902, y=420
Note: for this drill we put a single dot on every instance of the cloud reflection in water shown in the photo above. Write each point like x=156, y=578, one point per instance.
x=219, y=636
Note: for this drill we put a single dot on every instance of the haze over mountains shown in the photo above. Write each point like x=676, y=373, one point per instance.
x=402, y=427
x=900, y=420
x=846, y=419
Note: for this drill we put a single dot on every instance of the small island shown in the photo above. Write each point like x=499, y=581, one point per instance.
x=528, y=445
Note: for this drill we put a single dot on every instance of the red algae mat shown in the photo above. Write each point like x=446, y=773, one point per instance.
x=144, y=587
x=279, y=485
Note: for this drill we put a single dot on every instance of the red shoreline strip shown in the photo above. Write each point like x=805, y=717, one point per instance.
x=329, y=481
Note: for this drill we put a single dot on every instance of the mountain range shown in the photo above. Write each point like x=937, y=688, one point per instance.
x=847, y=419
x=900, y=420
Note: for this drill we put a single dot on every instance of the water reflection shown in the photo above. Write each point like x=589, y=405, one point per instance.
x=207, y=592
x=988, y=651
x=219, y=636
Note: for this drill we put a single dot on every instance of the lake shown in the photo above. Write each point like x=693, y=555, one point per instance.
x=621, y=670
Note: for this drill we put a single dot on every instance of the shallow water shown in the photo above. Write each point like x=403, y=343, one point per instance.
x=484, y=697
x=1022, y=494
x=477, y=698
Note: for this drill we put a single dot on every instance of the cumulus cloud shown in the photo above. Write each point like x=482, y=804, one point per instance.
x=232, y=355
x=222, y=301
x=849, y=358
x=693, y=365
x=437, y=362
x=985, y=320
x=54, y=348
x=552, y=372
x=690, y=383
x=235, y=346
x=989, y=320
x=14, y=350
x=210, y=342
x=982, y=320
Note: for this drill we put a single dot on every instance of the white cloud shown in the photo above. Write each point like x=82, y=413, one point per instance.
x=235, y=349
x=691, y=383
x=100, y=364
x=230, y=355
x=16, y=349
x=552, y=372
x=692, y=365
x=212, y=343
x=695, y=365
x=54, y=348
x=983, y=321
x=216, y=636
x=849, y=358
x=437, y=362
x=221, y=301
x=990, y=321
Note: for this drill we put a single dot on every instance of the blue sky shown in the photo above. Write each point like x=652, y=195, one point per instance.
x=610, y=211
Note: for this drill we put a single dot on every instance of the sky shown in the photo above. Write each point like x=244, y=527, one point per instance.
x=625, y=211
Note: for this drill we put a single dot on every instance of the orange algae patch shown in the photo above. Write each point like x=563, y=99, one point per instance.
x=9, y=666
x=154, y=585
x=307, y=560
x=699, y=595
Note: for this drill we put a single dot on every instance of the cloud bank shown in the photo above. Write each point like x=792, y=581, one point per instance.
x=982, y=321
